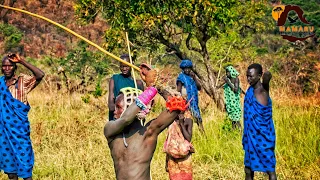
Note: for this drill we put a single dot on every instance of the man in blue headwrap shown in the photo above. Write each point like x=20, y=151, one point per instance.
x=188, y=85
x=16, y=154
x=259, y=134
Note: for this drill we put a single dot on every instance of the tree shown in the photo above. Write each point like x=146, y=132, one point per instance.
x=11, y=37
x=83, y=64
x=183, y=26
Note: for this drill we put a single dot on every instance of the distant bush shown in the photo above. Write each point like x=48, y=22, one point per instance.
x=11, y=36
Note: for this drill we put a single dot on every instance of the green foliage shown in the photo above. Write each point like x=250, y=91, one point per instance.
x=11, y=35
x=85, y=64
x=86, y=98
x=98, y=90
x=227, y=125
x=152, y=22
x=261, y=51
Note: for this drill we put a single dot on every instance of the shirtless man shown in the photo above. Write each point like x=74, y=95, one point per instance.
x=131, y=144
x=259, y=137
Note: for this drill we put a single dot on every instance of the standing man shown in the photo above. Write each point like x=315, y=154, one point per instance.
x=259, y=134
x=132, y=144
x=188, y=84
x=119, y=81
x=16, y=152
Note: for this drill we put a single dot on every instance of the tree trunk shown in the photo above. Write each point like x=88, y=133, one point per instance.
x=209, y=82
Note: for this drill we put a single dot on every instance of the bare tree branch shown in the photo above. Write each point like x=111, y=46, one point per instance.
x=225, y=57
x=171, y=46
x=189, y=45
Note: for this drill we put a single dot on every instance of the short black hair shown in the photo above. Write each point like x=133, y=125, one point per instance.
x=126, y=56
x=7, y=58
x=257, y=67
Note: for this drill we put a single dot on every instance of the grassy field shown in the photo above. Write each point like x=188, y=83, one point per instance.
x=69, y=143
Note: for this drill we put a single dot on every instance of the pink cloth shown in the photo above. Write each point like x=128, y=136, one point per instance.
x=148, y=95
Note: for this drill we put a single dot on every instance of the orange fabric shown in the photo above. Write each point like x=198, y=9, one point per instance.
x=176, y=103
x=180, y=169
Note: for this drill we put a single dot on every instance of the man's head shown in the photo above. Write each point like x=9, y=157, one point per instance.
x=120, y=106
x=126, y=97
x=125, y=69
x=8, y=67
x=254, y=73
x=186, y=66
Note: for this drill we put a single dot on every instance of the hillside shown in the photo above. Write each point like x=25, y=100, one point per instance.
x=41, y=38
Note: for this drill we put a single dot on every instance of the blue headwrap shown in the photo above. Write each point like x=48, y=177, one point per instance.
x=185, y=64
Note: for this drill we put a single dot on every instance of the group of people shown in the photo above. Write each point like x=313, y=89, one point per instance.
x=131, y=140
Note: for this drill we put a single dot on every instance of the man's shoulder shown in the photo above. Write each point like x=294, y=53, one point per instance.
x=262, y=95
x=115, y=76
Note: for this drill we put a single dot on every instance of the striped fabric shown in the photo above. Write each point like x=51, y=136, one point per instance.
x=21, y=86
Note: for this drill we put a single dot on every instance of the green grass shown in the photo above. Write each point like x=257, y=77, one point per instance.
x=69, y=144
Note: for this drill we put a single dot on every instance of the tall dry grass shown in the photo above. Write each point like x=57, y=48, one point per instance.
x=69, y=144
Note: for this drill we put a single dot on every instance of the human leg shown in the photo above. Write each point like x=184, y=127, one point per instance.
x=201, y=128
x=272, y=175
x=236, y=125
x=200, y=125
x=249, y=173
x=12, y=176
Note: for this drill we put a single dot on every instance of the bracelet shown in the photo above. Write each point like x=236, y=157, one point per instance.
x=140, y=104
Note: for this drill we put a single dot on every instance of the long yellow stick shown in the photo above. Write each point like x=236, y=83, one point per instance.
x=133, y=74
x=75, y=34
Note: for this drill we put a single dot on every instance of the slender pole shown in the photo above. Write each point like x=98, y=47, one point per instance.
x=74, y=33
x=133, y=74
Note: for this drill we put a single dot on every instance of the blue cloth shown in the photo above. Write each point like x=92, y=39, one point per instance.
x=16, y=154
x=185, y=64
x=259, y=134
x=192, y=92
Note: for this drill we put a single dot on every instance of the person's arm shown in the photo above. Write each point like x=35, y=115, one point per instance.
x=186, y=127
x=179, y=86
x=228, y=81
x=194, y=77
x=266, y=80
x=38, y=73
x=111, y=104
x=262, y=96
x=115, y=127
x=236, y=85
x=161, y=122
x=140, y=84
